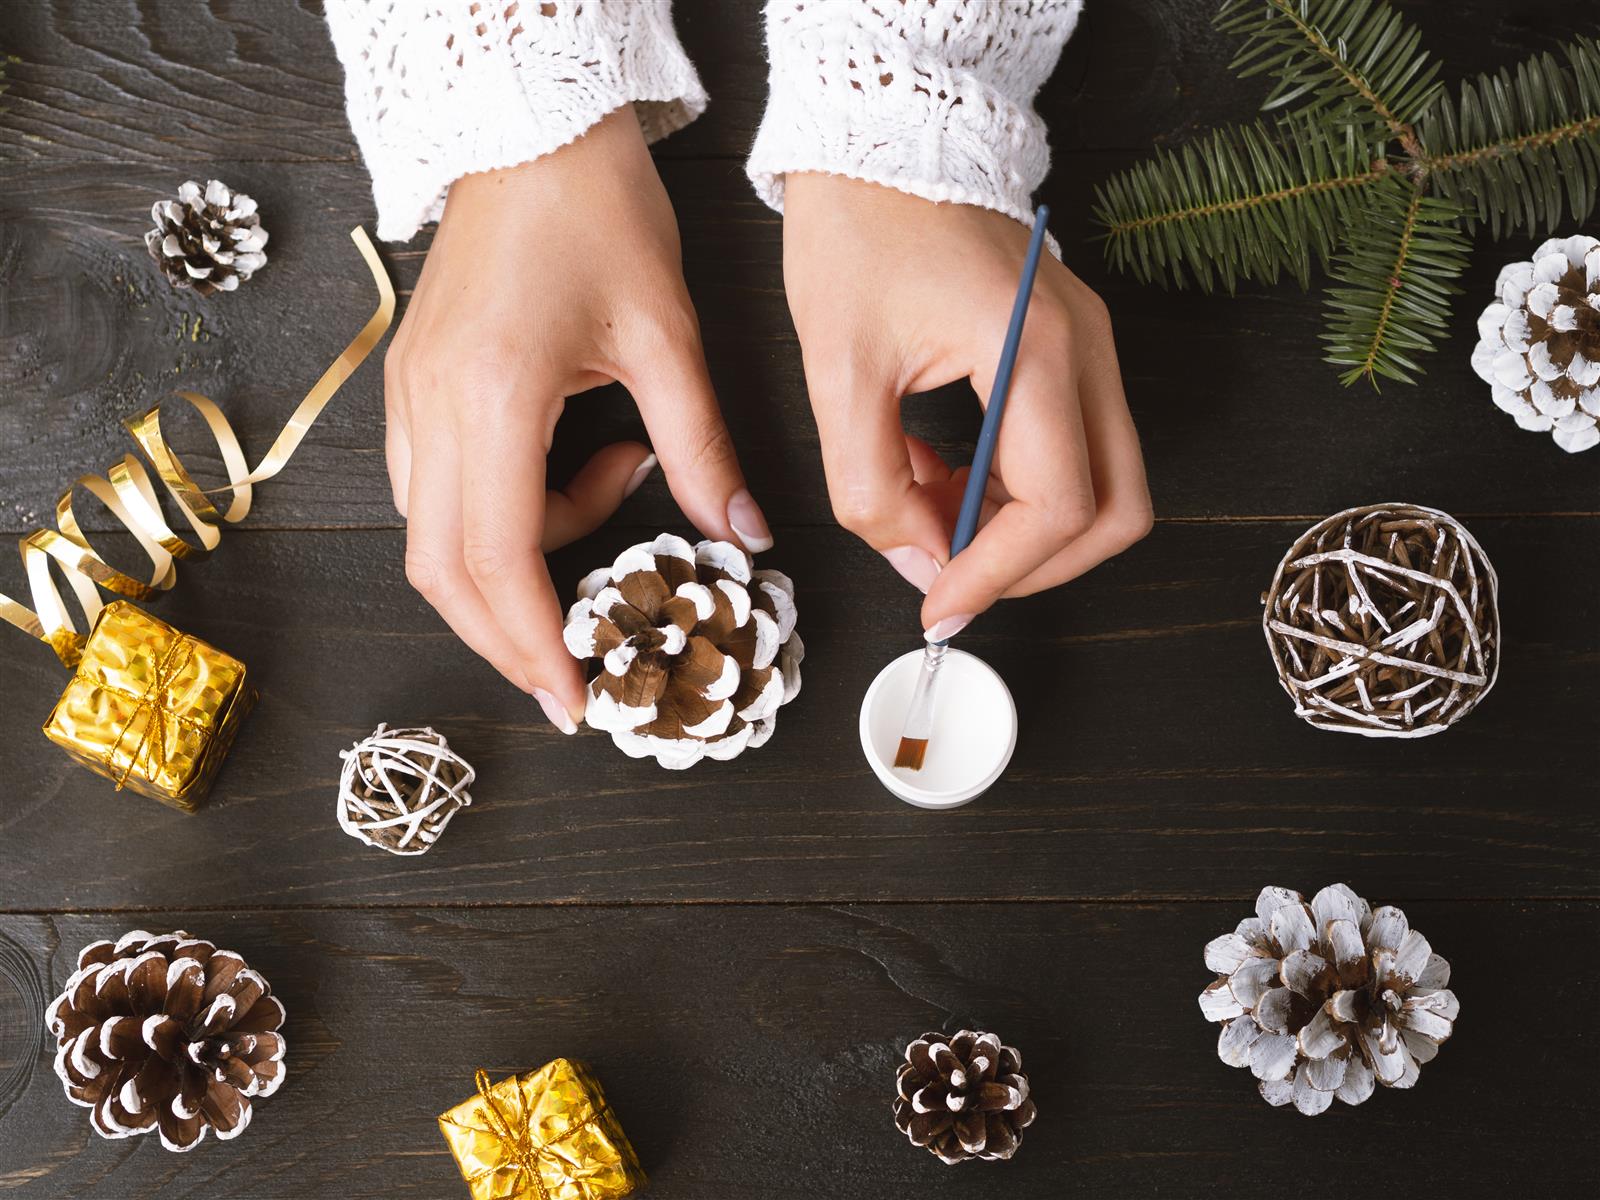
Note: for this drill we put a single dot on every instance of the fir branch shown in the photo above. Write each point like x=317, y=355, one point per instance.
x=1252, y=202
x=1359, y=56
x=1400, y=259
x=1520, y=151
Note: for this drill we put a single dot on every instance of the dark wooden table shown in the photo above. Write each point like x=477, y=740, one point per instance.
x=741, y=950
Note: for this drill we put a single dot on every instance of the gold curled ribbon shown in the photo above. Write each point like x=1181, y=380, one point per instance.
x=126, y=490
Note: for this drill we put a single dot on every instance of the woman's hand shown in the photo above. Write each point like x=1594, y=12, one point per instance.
x=892, y=295
x=546, y=280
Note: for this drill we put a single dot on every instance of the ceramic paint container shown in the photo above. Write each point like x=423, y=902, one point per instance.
x=974, y=731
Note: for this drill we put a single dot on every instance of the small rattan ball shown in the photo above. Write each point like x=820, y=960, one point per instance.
x=1383, y=621
x=400, y=787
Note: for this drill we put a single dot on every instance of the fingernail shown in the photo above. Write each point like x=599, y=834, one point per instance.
x=918, y=567
x=640, y=474
x=946, y=629
x=556, y=711
x=745, y=517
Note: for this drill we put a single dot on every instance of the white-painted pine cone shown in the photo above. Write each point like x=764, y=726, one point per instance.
x=1539, y=347
x=209, y=239
x=1327, y=999
x=697, y=651
x=164, y=1032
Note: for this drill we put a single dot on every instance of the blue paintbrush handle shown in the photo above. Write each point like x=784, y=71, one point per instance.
x=983, y=457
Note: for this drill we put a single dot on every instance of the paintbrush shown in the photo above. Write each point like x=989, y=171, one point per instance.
x=913, y=748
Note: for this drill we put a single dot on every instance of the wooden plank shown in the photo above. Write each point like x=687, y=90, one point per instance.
x=1238, y=414
x=169, y=81
x=1157, y=753
x=750, y=1052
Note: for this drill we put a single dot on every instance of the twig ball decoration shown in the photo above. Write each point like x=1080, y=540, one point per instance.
x=1383, y=621
x=1323, y=1001
x=1539, y=347
x=209, y=239
x=400, y=787
x=165, y=1032
x=963, y=1096
x=693, y=650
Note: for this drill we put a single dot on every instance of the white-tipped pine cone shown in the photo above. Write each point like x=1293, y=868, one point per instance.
x=696, y=651
x=209, y=239
x=1540, y=342
x=166, y=1032
x=1326, y=999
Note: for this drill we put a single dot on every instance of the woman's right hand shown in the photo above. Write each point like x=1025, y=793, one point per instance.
x=545, y=280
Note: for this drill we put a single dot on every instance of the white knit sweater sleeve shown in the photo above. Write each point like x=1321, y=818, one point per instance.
x=933, y=97
x=437, y=89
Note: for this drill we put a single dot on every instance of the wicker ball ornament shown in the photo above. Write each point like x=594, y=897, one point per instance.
x=1383, y=621
x=400, y=787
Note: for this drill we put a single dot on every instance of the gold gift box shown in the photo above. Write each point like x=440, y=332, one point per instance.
x=546, y=1135
x=150, y=708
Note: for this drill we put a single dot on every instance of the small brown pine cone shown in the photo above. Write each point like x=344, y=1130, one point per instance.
x=166, y=1032
x=207, y=239
x=963, y=1096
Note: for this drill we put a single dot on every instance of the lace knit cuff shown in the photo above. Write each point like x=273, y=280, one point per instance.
x=934, y=99
x=436, y=90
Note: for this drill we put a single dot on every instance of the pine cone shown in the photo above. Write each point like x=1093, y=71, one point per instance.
x=1540, y=347
x=697, y=652
x=211, y=241
x=166, y=1032
x=963, y=1097
x=1325, y=999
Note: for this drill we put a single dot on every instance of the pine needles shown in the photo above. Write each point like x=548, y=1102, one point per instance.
x=1367, y=168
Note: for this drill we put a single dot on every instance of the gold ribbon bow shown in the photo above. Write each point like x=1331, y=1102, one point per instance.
x=549, y=1134
x=126, y=490
x=155, y=729
x=518, y=1143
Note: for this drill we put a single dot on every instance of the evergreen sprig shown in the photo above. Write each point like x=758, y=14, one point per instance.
x=1328, y=53
x=1369, y=169
x=1251, y=202
x=1518, y=151
x=1401, y=256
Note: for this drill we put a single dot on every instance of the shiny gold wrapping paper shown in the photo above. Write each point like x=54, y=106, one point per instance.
x=546, y=1135
x=152, y=709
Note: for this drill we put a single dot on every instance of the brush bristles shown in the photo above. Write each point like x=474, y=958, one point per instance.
x=911, y=753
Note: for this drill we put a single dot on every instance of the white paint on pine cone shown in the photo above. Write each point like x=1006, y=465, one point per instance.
x=1538, y=300
x=1327, y=1020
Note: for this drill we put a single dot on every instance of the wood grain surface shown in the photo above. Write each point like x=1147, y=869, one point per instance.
x=742, y=949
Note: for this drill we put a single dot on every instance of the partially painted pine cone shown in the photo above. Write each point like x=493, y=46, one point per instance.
x=166, y=1032
x=1539, y=347
x=207, y=239
x=963, y=1097
x=696, y=651
x=1323, y=1000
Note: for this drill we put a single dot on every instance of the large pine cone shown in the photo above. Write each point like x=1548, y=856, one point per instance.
x=963, y=1097
x=1324, y=999
x=208, y=240
x=166, y=1032
x=1539, y=347
x=697, y=652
